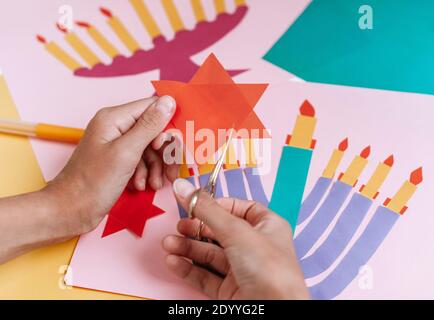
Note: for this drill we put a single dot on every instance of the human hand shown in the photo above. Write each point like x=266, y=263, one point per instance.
x=255, y=258
x=120, y=148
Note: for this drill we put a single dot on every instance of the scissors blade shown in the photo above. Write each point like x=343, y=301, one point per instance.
x=215, y=173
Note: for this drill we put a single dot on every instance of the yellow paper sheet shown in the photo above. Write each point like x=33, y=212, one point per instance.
x=38, y=275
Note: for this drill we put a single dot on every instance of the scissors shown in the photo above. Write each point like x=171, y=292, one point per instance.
x=210, y=187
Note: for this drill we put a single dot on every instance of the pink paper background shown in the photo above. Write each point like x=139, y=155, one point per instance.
x=392, y=123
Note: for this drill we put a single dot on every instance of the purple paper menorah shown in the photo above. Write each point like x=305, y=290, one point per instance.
x=326, y=203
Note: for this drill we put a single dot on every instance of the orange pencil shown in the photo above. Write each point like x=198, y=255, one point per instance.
x=42, y=131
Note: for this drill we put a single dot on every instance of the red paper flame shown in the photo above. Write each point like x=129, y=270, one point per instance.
x=343, y=145
x=366, y=152
x=61, y=28
x=416, y=176
x=389, y=161
x=83, y=24
x=41, y=39
x=106, y=12
x=307, y=109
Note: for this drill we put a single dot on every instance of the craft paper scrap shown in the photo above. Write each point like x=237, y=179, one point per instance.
x=373, y=44
x=213, y=101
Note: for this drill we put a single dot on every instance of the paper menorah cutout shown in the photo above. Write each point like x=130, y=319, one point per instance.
x=172, y=58
x=323, y=205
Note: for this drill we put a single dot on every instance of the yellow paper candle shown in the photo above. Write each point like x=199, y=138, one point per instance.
x=240, y=3
x=356, y=168
x=399, y=202
x=173, y=15
x=251, y=160
x=206, y=168
x=184, y=170
x=220, y=6
x=80, y=47
x=99, y=39
x=121, y=31
x=335, y=160
x=231, y=161
x=371, y=189
x=199, y=13
x=145, y=16
x=60, y=54
x=302, y=136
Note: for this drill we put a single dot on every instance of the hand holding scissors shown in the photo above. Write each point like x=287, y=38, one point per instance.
x=210, y=187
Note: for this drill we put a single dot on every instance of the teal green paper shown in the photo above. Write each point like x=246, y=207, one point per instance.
x=290, y=183
x=327, y=45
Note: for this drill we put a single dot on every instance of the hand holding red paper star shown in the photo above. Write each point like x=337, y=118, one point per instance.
x=214, y=101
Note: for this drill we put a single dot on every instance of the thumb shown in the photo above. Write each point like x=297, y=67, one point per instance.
x=150, y=124
x=222, y=223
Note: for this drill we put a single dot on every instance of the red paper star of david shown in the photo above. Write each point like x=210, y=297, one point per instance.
x=131, y=212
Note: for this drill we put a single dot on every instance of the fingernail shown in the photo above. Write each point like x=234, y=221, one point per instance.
x=159, y=185
x=168, y=242
x=183, y=188
x=166, y=105
x=142, y=184
x=172, y=261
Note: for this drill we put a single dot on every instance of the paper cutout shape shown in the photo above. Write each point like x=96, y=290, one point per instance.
x=179, y=66
x=235, y=183
x=360, y=253
x=290, y=183
x=326, y=42
x=323, y=183
x=314, y=198
x=348, y=222
x=255, y=186
x=213, y=101
x=339, y=237
x=322, y=218
x=294, y=166
x=131, y=212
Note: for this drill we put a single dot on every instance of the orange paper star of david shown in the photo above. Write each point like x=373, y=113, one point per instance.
x=212, y=100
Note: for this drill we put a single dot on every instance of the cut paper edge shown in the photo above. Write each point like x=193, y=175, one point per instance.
x=212, y=72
